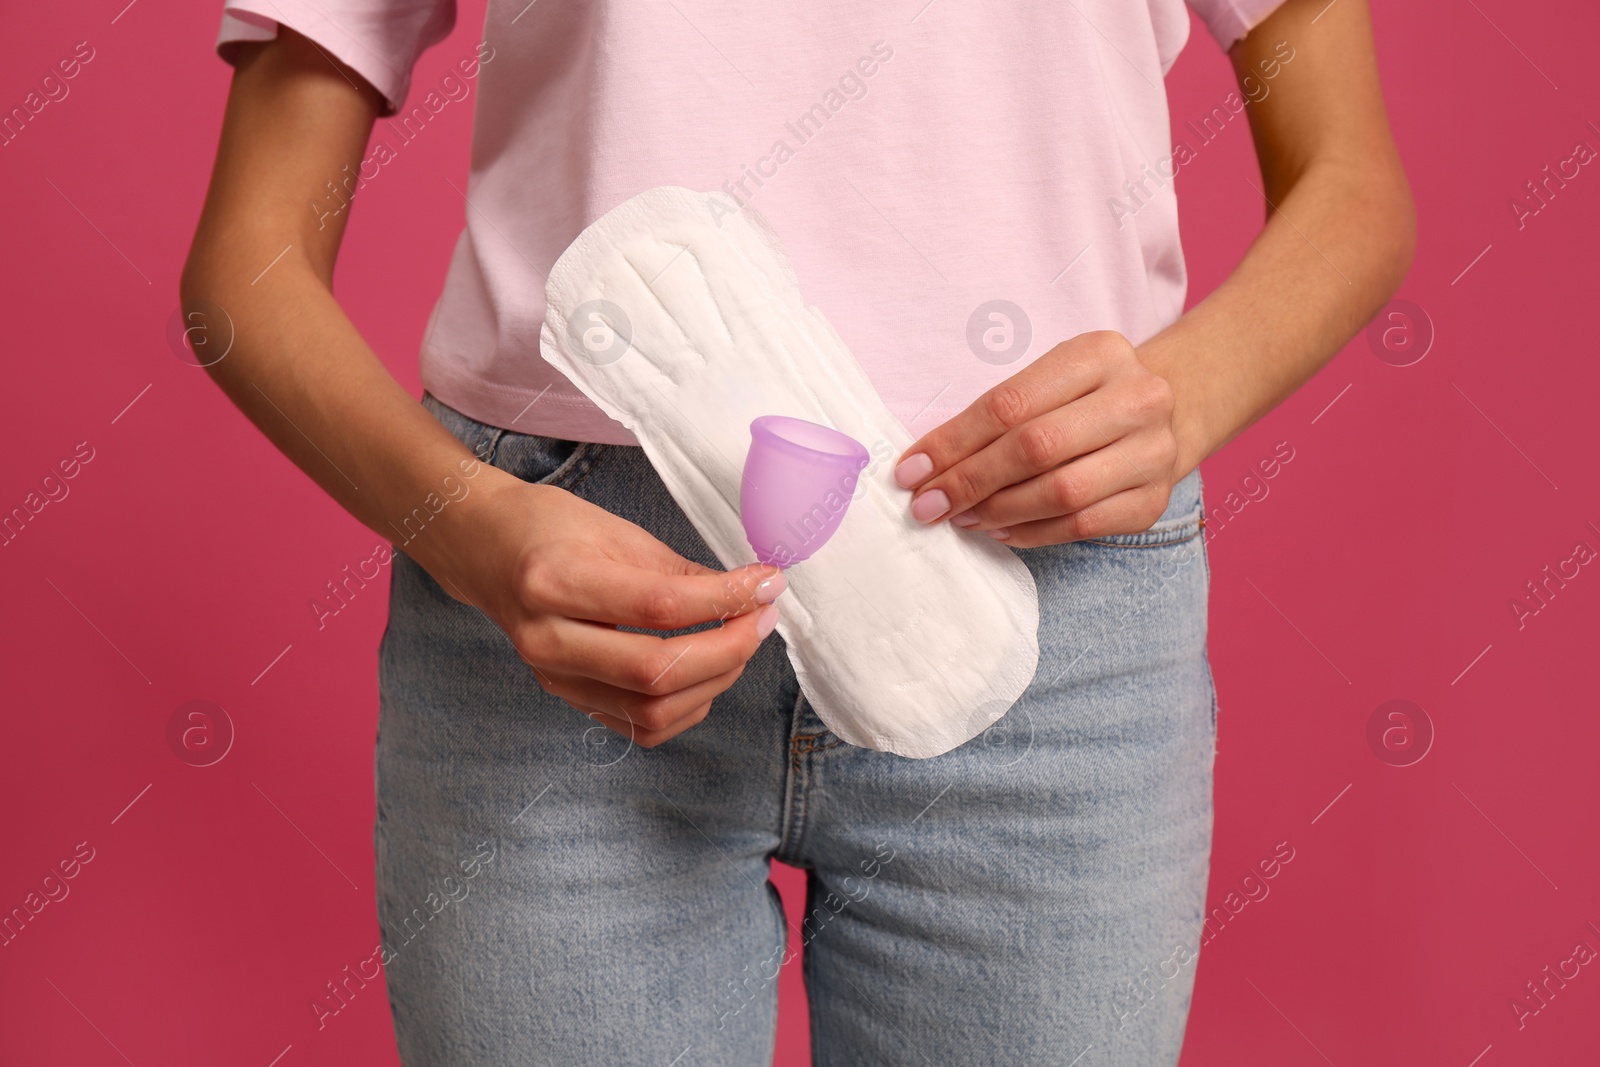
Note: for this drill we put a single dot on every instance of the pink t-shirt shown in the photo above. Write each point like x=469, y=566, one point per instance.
x=960, y=186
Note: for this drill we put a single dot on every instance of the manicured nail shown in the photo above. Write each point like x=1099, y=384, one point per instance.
x=766, y=621
x=913, y=470
x=930, y=506
x=769, y=590
x=1000, y=535
x=966, y=518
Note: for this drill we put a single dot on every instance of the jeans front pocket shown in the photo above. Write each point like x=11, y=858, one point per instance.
x=1183, y=520
x=531, y=457
x=1129, y=606
x=1164, y=534
x=546, y=460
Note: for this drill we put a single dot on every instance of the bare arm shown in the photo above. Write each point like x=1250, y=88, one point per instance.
x=1338, y=239
x=1089, y=439
x=554, y=572
x=294, y=119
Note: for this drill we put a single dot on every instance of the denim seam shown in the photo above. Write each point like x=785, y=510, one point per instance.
x=562, y=471
x=590, y=454
x=794, y=806
x=1212, y=685
x=811, y=743
x=490, y=442
x=1205, y=650
x=1157, y=539
x=1172, y=531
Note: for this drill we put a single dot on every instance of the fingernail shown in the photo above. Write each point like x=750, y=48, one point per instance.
x=966, y=518
x=913, y=470
x=766, y=621
x=930, y=506
x=1000, y=535
x=771, y=589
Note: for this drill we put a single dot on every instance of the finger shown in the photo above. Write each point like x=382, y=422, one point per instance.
x=1043, y=444
x=1050, y=382
x=1130, y=511
x=649, y=738
x=1066, y=489
x=644, y=663
x=648, y=714
x=602, y=590
x=1135, y=460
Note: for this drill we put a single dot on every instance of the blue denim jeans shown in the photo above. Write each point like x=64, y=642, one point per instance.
x=551, y=894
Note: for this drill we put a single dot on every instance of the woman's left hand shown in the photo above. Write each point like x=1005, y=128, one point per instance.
x=1079, y=444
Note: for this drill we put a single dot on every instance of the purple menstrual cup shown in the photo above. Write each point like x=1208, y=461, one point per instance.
x=798, y=481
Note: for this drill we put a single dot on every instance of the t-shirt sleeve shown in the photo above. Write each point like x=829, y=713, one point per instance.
x=379, y=39
x=1229, y=20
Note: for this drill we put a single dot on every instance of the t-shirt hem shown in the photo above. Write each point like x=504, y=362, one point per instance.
x=574, y=418
x=547, y=413
x=258, y=20
x=1230, y=22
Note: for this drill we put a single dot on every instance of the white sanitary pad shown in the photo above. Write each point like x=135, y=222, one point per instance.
x=678, y=313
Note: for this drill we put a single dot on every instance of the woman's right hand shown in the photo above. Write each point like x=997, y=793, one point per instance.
x=559, y=575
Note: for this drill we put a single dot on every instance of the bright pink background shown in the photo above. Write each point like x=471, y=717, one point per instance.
x=1379, y=567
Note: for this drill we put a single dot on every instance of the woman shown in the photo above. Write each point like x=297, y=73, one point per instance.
x=981, y=200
